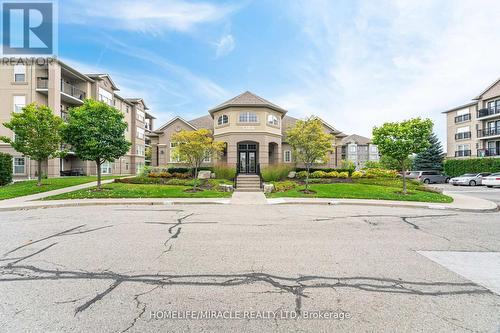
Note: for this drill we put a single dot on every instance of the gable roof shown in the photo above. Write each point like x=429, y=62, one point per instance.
x=360, y=140
x=138, y=100
x=203, y=122
x=486, y=90
x=171, y=121
x=247, y=99
x=101, y=77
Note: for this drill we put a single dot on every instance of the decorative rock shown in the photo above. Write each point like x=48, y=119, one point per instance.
x=226, y=188
x=204, y=174
x=292, y=174
x=268, y=188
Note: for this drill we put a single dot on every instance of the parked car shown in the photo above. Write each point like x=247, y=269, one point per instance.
x=492, y=180
x=470, y=179
x=428, y=177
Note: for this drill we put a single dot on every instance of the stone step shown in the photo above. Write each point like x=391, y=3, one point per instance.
x=248, y=190
x=248, y=186
x=248, y=181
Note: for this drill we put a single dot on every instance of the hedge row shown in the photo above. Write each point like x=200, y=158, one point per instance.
x=5, y=169
x=349, y=171
x=454, y=168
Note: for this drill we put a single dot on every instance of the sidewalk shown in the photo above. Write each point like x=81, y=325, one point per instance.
x=461, y=202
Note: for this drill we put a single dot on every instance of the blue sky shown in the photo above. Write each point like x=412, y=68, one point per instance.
x=356, y=64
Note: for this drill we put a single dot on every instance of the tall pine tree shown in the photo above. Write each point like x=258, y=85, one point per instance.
x=432, y=158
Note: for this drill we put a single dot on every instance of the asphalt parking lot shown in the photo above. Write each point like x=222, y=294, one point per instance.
x=483, y=192
x=128, y=268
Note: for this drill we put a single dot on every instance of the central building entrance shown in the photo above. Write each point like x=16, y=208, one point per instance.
x=247, y=157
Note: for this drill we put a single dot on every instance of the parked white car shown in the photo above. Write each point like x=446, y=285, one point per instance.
x=492, y=180
x=469, y=179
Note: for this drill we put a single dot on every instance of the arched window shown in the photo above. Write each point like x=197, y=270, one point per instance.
x=224, y=119
x=272, y=120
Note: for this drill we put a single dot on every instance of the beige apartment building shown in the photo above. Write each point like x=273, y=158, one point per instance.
x=357, y=149
x=252, y=128
x=62, y=87
x=473, y=129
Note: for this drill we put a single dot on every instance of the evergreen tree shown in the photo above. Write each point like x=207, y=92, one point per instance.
x=432, y=158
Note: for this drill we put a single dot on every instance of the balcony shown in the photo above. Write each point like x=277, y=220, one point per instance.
x=42, y=83
x=72, y=91
x=463, y=136
x=488, y=152
x=488, y=132
x=462, y=118
x=488, y=112
x=462, y=153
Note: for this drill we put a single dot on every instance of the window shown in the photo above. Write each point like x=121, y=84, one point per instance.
x=173, y=157
x=248, y=117
x=19, y=103
x=272, y=120
x=105, y=96
x=106, y=168
x=374, y=149
x=139, y=150
x=288, y=156
x=19, y=73
x=127, y=108
x=352, y=148
x=207, y=158
x=140, y=115
x=19, y=165
x=222, y=120
x=140, y=133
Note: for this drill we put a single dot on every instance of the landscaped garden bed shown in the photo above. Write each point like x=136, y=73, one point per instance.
x=161, y=182
x=376, y=184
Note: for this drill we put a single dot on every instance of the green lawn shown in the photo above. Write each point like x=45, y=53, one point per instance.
x=29, y=186
x=362, y=191
x=121, y=190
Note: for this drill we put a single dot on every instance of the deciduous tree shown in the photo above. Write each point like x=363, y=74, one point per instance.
x=96, y=132
x=37, y=133
x=400, y=140
x=310, y=144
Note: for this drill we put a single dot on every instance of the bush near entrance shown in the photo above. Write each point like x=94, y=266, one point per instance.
x=455, y=168
x=5, y=169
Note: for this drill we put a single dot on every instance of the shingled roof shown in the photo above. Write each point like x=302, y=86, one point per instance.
x=247, y=99
x=358, y=139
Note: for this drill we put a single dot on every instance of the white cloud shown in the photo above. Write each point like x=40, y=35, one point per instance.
x=153, y=16
x=224, y=46
x=392, y=60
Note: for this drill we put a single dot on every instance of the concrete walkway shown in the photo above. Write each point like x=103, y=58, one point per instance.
x=38, y=196
x=248, y=198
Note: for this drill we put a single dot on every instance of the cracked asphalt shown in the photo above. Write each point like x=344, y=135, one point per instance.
x=109, y=268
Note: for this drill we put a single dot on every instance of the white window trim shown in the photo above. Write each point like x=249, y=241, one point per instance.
x=106, y=168
x=289, y=159
x=273, y=120
x=20, y=70
x=140, y=133
x=14, y=165
x=17, y=103
x=221, y=118
x=246, y=117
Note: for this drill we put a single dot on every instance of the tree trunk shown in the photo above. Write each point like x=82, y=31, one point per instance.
x=308, y=167
x=39, y=166
x=195, y=177
x=98, y=164
x=403, y=170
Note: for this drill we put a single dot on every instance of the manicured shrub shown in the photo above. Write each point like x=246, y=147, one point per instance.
x=153, y=175
x=5, y=169
x=165, y=174
x=454, y=168
x=327, y=170
x=381, y=173
x=357, y=174
x=283, y=186
x=344, y=174
x=178, y=170
x=223, y=171
x=273, y=173
x=301, y=175
x=181, y=175
x=332, y=174
x=318, y=174
x=372, y=165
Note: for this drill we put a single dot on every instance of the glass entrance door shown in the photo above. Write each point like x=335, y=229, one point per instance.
x=247, y=158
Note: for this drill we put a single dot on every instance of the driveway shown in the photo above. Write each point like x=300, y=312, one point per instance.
x=248, y=268
x=492, y=194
